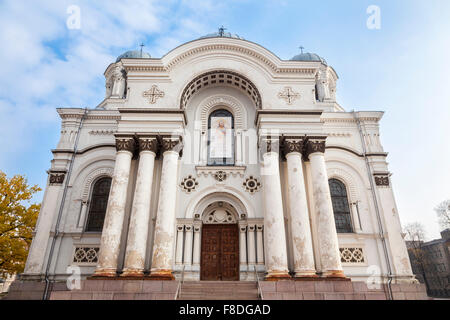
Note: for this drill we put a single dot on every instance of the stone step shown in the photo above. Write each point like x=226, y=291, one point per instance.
x=201, y=297
x=219, y=290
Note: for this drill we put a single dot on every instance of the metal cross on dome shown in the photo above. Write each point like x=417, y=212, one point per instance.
x=222, y=31
x=153, y=94
x=289, y=95
x=142, y=45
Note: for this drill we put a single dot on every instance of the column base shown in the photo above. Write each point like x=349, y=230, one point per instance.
x=334, y=274
x=131, y=273
x=161, y=275
x=105, y=273
x=277, y=276
x=305, y=275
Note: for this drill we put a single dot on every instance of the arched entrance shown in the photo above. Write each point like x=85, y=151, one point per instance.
x=220, y=243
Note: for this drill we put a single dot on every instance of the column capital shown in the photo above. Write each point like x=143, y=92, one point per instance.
x=148, y=143
x=125, y=143
x=172, y=143
x=270, y=144
x=259, y=227
x=314, y=145
x=243, y=229
x=56, y=177
x=180, y=227
x=381, y=179
x=293, y=144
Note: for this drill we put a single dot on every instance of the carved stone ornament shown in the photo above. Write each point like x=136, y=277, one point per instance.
x=153, y=94
x=148, y=144
x=220, y=176
x=293, y=146
x=219, y=216
x=289, y=95
x=57, y=177
x=252, y=185
x=382, y=180
x=189, y=184
x=315, y=146
x=125, y=144
x=172, y=144
x=270, y=144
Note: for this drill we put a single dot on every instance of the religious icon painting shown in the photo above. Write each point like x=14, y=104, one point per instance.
x=221, y=138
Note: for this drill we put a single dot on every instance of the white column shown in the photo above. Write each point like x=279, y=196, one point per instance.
x=180, y=240
x=251, y=245
x=259, y=244
x=49, y=209
x=197, y=245
x=238, y=148
x=243, y=247
x=140, y=213
x=326, y=228
x=83, y=213
x=298, y=207
x=165, y=220
x=115, y=212
x=188, y=247
x=398, y=251
x=274, y=236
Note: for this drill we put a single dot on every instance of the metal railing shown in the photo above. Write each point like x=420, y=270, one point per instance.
x=180, y=284
x=258, y=283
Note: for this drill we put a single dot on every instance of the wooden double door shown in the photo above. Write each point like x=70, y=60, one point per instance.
x=220, y=252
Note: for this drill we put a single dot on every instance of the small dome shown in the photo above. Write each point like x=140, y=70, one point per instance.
x=306, y=56
x=134, y=54
x=222, y=35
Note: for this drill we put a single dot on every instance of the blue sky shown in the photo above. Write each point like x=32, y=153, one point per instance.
x=401, y=69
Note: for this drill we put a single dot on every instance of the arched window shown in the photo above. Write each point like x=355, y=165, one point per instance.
x=99, y=202
x=221, y=138
x=341, y=208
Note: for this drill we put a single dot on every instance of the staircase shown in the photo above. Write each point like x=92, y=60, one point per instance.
x=219, y=290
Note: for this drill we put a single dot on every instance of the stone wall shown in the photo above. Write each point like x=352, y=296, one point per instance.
x=338, y=290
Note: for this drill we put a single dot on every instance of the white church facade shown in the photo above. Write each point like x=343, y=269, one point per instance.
x=219, y=161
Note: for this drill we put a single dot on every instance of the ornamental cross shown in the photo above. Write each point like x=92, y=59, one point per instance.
x=153, y=94
x=289, y=95
x=222, y=31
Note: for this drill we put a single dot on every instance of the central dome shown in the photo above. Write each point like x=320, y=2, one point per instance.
x=222, y=34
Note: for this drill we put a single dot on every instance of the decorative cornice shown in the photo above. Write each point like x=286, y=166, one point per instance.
x=125, y=144
x=153, y=110
x=105, y=132
x=212, y=170
x=239, y=49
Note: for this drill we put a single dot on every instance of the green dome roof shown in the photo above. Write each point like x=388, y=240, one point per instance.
x=134, y=54
x=306, y=56
x=222, y=34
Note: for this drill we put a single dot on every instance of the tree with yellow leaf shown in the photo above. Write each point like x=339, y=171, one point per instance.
x=18, y=217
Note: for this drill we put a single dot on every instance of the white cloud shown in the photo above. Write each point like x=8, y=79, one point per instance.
x=45, y=65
